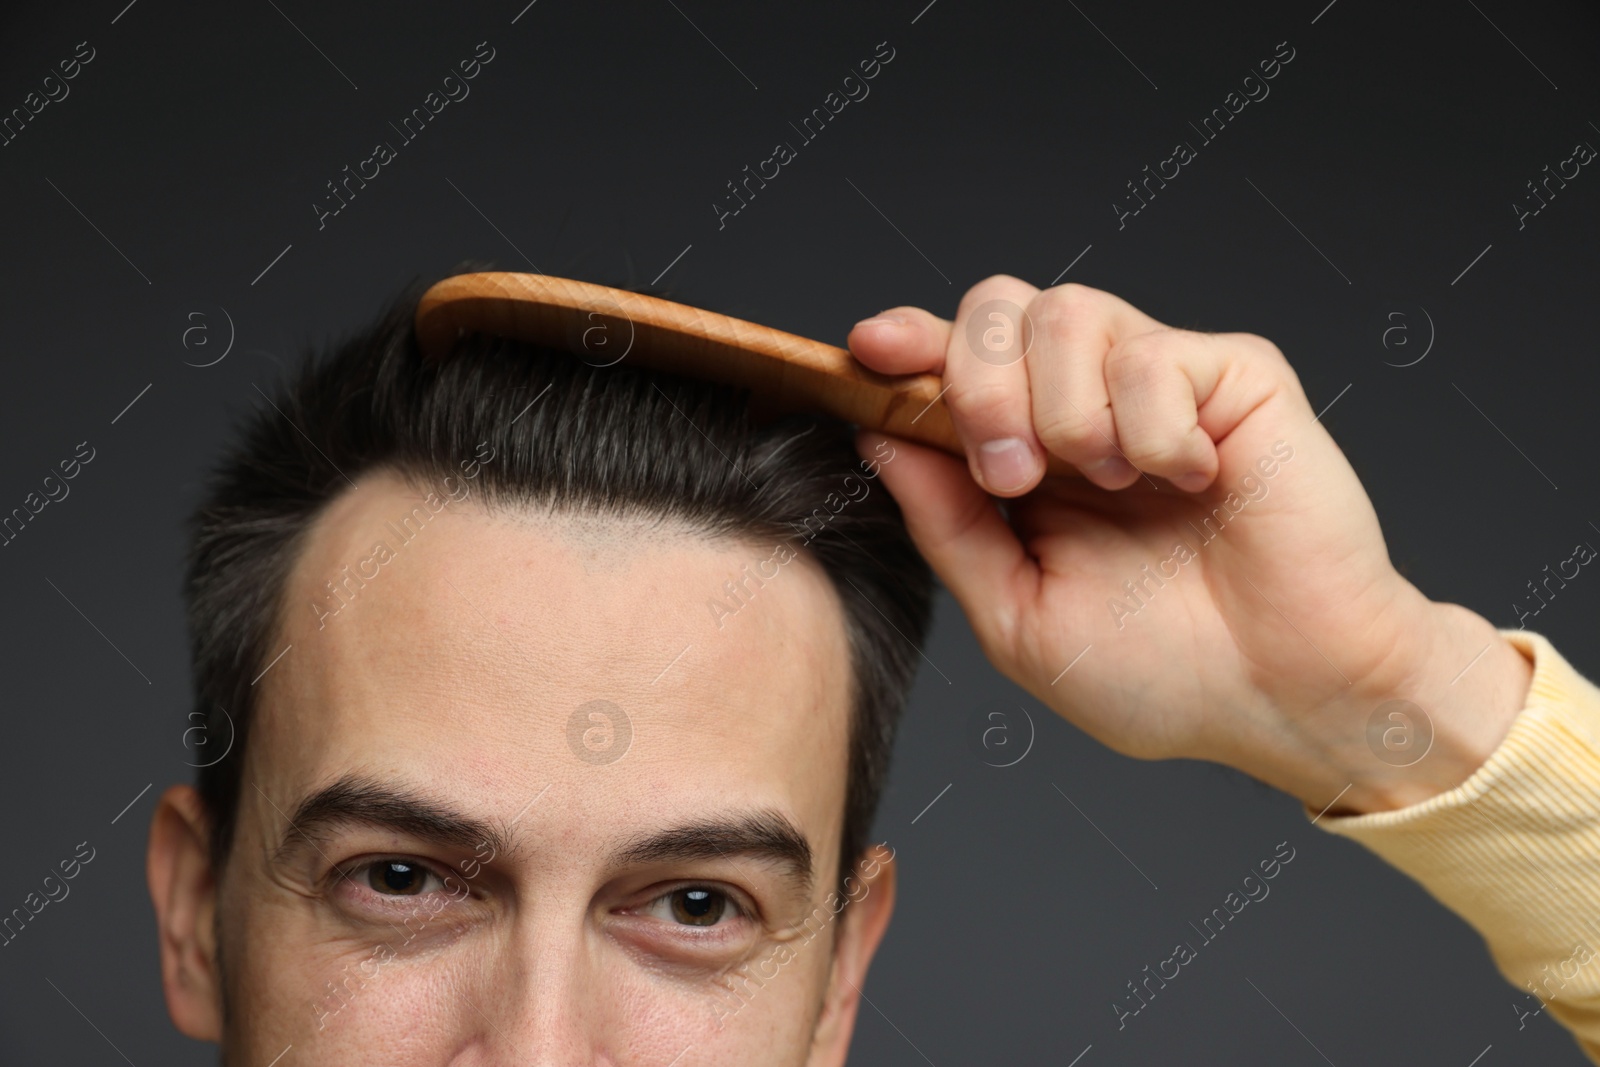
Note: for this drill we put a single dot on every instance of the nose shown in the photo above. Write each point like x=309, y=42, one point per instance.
x=535, y=1002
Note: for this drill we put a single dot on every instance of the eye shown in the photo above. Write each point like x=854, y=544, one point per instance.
x=705, y=926
x=399, y=878
x=698, y=906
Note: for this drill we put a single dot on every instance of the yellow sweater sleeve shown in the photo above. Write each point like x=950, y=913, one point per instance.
x=1515, y=849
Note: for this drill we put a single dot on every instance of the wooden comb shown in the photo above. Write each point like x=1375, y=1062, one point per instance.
x=603, y=326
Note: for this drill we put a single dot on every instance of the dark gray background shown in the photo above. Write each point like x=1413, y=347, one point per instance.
x=187, y=158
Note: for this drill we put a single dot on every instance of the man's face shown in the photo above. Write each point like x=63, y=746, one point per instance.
x=484, y=867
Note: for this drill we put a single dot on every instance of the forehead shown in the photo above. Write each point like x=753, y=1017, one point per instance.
x=486, y=655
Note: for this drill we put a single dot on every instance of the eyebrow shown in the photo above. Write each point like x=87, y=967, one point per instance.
x=362, y=801
x=763, y=835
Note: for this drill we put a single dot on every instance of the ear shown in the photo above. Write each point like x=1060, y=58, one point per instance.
x=184, y=890
x=871, y=894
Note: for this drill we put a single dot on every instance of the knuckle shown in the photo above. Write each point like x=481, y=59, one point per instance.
x=1062, y=307
x=1067, y=432
x=1267, y=359
x=1265, y=346
x=1157, y=448
x=985, y=402
x=1272, y=357
x=993, y=283
x=1140, y=361
x=1258, y=347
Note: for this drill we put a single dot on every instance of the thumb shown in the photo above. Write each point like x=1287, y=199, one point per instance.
x=958, y=529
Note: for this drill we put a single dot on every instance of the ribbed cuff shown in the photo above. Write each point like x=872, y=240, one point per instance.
x=1515, y=849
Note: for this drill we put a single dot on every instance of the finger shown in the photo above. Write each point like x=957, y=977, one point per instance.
x=902, y=340
x=960, y=532
x=1075, y=327
x=1157, y=383
x=987, y=389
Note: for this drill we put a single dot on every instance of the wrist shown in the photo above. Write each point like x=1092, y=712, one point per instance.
x=1449, y=706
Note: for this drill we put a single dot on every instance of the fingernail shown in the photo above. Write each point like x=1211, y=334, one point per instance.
x=1192, y=482
x=883, y=320
x=1006, y=463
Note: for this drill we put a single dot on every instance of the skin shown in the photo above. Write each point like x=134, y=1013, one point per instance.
x=1268, y=648
x=1273, y=647
x=452, y=676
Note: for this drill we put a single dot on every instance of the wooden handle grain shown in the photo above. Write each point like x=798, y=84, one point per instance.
x=602, y=326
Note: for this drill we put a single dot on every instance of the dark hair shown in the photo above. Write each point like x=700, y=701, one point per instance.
x=616, y=440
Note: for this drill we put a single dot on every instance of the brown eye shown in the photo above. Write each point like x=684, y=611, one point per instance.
x=396, y=878
x=698, y=907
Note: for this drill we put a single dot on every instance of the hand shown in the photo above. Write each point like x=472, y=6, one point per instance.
x=1218, y=588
